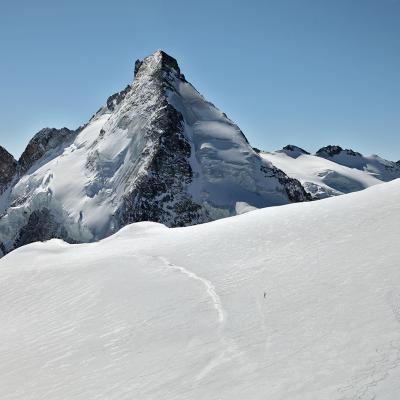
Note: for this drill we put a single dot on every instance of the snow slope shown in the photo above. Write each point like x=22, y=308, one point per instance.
x=295, y=302
x=321, y=177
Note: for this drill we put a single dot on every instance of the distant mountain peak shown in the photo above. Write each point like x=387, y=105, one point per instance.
x=293, y=151
x=8, y=166
x=330, y=151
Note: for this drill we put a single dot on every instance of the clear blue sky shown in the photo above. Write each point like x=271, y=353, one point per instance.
x=306, y=72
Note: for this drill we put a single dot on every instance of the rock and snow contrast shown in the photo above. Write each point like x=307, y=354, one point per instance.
x=332, y=171
x=376, y=166
x=288, y=303
x=157, y=151
x=8, y=167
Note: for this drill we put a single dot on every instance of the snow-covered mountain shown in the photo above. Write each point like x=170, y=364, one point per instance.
x=157, y=151
x=300, y=302
x=382, y=169
x=332, y=171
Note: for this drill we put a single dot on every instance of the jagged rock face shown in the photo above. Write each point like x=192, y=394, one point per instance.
x=161, y=194
x=41, y=226
x=138, y=63
x=116, y=98
x=157, y=151
x=8, y=167
x=43, y=142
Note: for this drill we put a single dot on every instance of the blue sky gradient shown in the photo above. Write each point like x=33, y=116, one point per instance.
x=305, y=72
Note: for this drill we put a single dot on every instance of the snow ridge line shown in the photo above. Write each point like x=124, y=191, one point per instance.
x=210, y=288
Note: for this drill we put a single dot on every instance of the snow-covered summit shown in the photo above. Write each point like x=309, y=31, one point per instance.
x=331, y=171
x=156, y=151
x=382, y=169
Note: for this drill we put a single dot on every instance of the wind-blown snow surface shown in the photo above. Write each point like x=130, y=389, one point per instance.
x=158, y=313
x=322, y=177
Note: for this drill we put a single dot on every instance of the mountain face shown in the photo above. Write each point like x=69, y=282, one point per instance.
x=382, y=169
x=48, y=142
x=293, y=151
x=332, y=171
x=157, y=151
x=8, y=167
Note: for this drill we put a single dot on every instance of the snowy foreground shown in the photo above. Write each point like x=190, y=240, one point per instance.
x=158, y=313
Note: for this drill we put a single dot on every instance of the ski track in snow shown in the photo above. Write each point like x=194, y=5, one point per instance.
x=363, y=385
x=230, y=350
x=210, y=288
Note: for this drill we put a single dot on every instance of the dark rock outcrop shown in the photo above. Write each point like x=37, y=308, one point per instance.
x=138, y=63
x=161, y=194
x=292, y=148
x=330, y=151
x=41, y=226
x=116, y=98
x=45, y=140
x=8, y=166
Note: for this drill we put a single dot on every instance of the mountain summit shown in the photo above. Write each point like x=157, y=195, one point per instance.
x=157, y=151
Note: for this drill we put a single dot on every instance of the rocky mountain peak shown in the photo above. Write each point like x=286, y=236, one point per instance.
x=8, y=166
x=330, y=151
x=158, y=151
x=45, y=140
x=156, y=63
x=293, y=151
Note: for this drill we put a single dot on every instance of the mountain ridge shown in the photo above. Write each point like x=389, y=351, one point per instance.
x=332, y=170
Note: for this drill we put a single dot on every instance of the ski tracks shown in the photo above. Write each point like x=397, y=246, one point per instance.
x=229, y=347
x=364, y=384
x=210, y=288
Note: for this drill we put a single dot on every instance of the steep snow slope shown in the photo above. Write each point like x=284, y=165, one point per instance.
x=319, y=176
x=295, y=302
x=158, y=151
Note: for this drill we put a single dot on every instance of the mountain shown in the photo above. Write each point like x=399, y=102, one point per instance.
x=157, y=151
x=8, y=167
x=382, y=169
x=44, y=146
x=295, y=302
x=332, y=171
